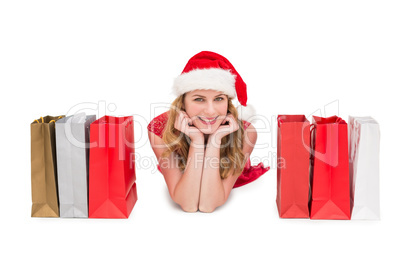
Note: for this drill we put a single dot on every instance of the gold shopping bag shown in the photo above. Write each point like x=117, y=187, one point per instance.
x=44, y=168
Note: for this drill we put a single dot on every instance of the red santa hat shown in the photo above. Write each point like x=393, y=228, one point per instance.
x=209, y=70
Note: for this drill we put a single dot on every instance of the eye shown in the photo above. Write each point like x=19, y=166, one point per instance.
x=219, y=98
x=199, y=99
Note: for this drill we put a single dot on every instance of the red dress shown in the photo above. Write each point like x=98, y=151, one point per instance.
x=249, y=174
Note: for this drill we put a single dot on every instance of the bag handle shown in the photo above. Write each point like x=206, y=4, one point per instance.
x=313, y=127
x=339, y=120
x=279, y=121
x=312, y=156
x=354, y=140
x=41, y=118
x=56, y=119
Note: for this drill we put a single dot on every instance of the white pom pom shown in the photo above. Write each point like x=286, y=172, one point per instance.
x=246, y=112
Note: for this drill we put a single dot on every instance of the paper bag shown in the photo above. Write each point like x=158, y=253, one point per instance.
x=330, y=193
x=72, y=150
x=364, y=151
x=293, y=163
x=112, y=187
x=44, y=168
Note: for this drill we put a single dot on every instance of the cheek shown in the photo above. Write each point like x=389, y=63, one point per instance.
x=189, y=108
x=193, y=111
x=223, y=109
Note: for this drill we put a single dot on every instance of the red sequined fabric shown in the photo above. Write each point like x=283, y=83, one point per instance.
x=249, y=174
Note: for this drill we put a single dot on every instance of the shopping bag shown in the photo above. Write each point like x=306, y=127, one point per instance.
x=330, y=193
x=293, y=163
x=72, y=150
x=44, y=168
x=364, y=151
x=112, y=187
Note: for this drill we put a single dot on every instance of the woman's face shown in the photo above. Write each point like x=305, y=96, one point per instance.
x=206, y=108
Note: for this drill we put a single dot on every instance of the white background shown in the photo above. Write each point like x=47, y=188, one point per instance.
x=297, y=57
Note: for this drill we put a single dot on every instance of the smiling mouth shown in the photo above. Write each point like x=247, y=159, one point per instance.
x=208, y=121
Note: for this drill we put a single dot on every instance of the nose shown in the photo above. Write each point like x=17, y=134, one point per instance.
x=209, y=109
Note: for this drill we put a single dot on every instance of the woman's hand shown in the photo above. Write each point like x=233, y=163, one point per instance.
x=224, y=130
x=183, y=122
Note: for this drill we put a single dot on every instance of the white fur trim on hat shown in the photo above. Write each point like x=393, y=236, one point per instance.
x=246, y=112
x=214, y=78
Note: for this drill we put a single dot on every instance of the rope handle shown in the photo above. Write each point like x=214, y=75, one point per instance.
x=56, y=119
x=41, y=118
x=312, y=127
x=354, y=139
x=312, y=146
x=339, y=120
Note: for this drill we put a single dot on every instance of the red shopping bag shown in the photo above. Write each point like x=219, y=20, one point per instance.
x=330, y=195
x=112, y=187
x=293, y=162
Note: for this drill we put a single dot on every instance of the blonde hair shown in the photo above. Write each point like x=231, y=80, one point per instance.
x=233, y=161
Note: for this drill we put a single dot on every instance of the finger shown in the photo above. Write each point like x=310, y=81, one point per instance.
x=188, y=119
x=233, y=124
x=234, y=120
x=227, y=119
x=187, y=116
x=229, y=115
x=183, y=118
x=182, y=124
x=184, y=114
x=179, y=121
x=179, y=116
x=193, y=118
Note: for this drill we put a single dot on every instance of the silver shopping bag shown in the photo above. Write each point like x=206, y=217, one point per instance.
x=72, y=151
x=364, y=152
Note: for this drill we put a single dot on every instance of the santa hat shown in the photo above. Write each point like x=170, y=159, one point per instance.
x=209, y=70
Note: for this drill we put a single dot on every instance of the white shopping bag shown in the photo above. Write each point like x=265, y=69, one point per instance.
x=72, y=151
x=364, y=152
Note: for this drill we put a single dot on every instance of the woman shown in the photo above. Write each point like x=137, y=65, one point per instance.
x=201, y=145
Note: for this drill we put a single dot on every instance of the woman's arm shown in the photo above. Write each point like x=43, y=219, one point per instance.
x=184, y=188
x=186, y=192
x=214, y=190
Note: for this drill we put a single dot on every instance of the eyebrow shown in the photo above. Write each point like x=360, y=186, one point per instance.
x=204, y=96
